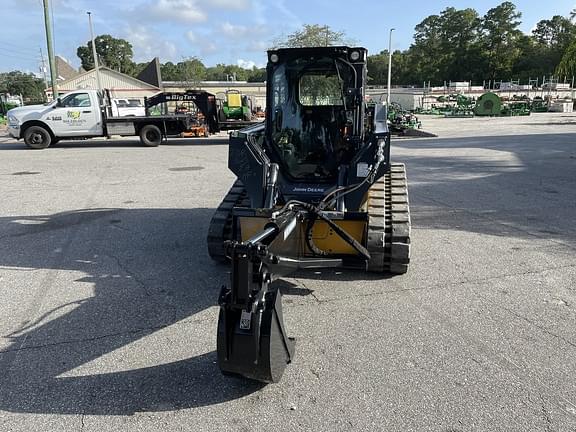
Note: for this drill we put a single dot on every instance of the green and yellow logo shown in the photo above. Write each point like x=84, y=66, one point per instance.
x=74, y=115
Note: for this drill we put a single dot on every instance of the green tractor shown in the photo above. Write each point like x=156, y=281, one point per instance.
x=235, y=106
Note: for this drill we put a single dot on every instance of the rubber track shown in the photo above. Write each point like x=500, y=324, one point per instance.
x=389, y=223
x=220, y=228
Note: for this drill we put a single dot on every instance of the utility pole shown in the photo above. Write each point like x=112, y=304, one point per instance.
x=51, y=59
x=94, y=54
x=389, y=67
x=43, y=69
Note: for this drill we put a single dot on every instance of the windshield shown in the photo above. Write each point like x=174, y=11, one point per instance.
x=310, y=121
x=320, y=89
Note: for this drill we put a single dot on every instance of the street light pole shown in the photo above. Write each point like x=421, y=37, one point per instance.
x=94, y=54
x=51, y=59
x=389, y=66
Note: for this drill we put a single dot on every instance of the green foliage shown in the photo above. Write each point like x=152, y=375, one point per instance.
x=312, y=35
x=567, y=66
x=112, y=52
x=222, y=72
x=500, y=39
x=460, y=45
x=257, y=75
x=190, y=70
x=316, y=89
x=20, y=83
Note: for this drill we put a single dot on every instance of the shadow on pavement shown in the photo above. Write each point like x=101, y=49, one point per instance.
x=140, y=271
x=521, y=186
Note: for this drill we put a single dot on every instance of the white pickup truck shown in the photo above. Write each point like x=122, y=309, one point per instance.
x=128, y=107
x=85, y=114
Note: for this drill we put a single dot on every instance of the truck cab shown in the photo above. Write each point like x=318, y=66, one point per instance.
x=76, y=114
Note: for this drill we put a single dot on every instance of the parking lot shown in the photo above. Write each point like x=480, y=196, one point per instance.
x=108, y=296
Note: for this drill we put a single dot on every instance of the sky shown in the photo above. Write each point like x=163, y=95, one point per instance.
x=222, y=31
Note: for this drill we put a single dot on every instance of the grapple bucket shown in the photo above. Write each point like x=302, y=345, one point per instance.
x=254, y=345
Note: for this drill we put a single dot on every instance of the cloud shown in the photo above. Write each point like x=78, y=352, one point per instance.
x=248, y=64
x=232, y=30
x=229, y=4
x=148, y=44
x=186, y=11
x=202, y=44
x=258, y=46
x=177, y=10
x=191, y=36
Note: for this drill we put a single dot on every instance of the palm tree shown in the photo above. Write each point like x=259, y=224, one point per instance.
x=572, y=14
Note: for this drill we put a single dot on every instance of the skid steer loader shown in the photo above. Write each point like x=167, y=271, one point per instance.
x=315, y=189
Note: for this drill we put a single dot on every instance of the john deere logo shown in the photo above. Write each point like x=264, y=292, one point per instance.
x=74, y=115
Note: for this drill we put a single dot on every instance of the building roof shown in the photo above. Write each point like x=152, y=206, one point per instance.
x=110, y=79
x=63, y=69
x=151, y=73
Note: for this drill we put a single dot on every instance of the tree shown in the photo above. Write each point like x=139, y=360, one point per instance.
x=533, y=60
x=222, y=72
x=257, y=75
x=460, y=30
x=500, y=39
x=20, y=83
x=427, y=55
x=190, y=71
x=446, y=47
x=556, y=31
x=113, y=53
x=567, y=66
x=377, y=65
x=312, y=35
x=553, y=37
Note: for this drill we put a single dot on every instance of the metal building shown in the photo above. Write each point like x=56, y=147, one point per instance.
x=119, y=84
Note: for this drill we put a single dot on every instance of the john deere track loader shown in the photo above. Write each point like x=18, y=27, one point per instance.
x=315, y=189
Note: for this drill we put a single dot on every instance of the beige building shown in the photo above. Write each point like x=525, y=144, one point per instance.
x=119, y=84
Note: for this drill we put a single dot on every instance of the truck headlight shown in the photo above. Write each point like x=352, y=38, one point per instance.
x=13, y=121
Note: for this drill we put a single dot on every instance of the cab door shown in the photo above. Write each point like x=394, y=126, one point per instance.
x=75, y=115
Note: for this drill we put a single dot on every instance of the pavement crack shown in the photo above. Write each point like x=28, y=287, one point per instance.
x=528, y=320
x=311, y=291
x=132, y=274
x=81, y=340
x=546, y=415
x=108, y=335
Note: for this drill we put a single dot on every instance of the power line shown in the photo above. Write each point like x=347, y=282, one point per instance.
x=22, y=53
x=11, y=45
x=35, y=59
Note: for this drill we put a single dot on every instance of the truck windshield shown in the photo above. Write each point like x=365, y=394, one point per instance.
x=310, y=120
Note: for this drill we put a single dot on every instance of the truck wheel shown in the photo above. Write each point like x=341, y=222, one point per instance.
x=150, y=136
x=36, y=137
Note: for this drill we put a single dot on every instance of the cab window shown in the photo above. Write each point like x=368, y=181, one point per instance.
x=320, y=89
x=76, y=100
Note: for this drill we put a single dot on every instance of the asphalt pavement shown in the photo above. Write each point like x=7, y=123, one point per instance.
x=108, y=296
